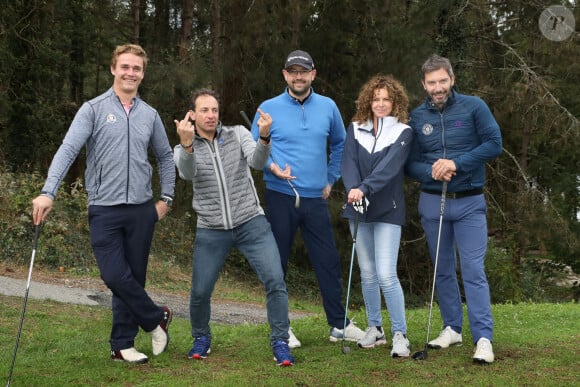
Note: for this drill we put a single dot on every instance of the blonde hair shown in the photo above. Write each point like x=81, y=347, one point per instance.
x=367, y=92
x=129, y=49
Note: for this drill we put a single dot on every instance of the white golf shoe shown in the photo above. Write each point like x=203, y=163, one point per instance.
x=483, y=352
x=293, y=341
x=351, y=333
x=446, y=338
x=373, y=337
x=401, y=345
x=129, y=355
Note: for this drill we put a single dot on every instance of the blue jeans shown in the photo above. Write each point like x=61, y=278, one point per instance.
x=377, y=249
x=313, y=219
x=121, y=238
x=255, y=241
x=465, y=228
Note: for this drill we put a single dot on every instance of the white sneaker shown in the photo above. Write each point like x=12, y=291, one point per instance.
x=160, y=335
x=446, y=338
x=352, y=333
x=130, y=355
x=483, y=352
x=372, y=338
x=293, y=342
x=401, y=345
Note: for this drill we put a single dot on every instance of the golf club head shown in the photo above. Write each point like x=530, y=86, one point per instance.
x=420, y=355
x=345, y=350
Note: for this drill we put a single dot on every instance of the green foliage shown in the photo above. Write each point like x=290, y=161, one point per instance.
x=56, y=53
x=64, y=235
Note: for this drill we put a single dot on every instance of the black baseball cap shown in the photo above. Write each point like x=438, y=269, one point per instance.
x=299, y=58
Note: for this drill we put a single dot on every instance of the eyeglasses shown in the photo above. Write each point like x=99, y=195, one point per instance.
x=298, y=72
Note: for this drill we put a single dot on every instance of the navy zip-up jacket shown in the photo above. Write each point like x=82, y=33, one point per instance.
x=375, y=165
x=465, y=132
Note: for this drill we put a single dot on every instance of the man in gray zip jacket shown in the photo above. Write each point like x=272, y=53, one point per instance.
x=118, y=128
x=217, y=159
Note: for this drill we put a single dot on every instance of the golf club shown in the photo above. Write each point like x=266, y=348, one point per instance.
x=249, y=123
x=34, y=244
x=422, y=355
x=357, y=209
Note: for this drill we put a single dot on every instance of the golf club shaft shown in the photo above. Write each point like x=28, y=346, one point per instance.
x=350, y=275
x=34, y=244
x=249, y=124
x=442, y=209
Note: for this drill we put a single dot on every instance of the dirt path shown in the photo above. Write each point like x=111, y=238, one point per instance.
x=92, y=291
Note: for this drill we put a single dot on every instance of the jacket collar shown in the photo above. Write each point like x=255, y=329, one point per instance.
x=287, y=92
x=450, y=101
x=218, y=131
x=368, y=124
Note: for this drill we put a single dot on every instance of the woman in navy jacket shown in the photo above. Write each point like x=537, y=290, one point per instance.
x=377, y=145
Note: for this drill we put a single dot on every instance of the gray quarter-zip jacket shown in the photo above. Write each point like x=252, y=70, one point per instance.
x=224, y=194
x=117, y=168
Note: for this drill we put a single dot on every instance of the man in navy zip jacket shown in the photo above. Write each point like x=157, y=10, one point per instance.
x=299, y=177
x=454, y=136
x=118, y=128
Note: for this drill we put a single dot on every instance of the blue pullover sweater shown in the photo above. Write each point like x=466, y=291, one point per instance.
x=301, y=135
x=465, y=132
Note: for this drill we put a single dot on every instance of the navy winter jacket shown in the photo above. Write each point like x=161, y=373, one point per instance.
x=375, y=165
x=465, y=132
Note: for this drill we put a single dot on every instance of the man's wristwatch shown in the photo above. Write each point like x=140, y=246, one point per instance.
x=167, y=200
x=266, y=139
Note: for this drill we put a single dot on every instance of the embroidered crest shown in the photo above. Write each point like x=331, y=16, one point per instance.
x=427, y=129
x=111, y=118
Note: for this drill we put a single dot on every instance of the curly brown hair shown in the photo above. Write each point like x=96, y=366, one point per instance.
x=367, y=92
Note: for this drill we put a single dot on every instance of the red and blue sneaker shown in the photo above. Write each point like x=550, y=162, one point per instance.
x=201, y=348
x=282, y=354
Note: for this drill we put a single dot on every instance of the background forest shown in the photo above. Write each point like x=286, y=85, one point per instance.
x=54, y=55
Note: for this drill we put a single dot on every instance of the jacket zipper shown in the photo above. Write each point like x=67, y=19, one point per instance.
x=128, y=156
x=221, y=182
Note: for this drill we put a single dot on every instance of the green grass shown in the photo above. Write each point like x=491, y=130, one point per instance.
x=65, y=345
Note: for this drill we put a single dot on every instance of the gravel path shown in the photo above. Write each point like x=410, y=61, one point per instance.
x=93, y=292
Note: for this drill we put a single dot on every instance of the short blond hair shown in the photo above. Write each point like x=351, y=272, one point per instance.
x=129, y=49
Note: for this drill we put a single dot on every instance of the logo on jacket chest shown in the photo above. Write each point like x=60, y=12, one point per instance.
x=111, y=117
x=427, y=129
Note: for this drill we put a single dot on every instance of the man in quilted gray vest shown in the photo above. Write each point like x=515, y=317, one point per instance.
x=217, y=160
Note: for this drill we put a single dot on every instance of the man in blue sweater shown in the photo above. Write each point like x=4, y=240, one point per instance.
x=454, y=136
x=299, y=176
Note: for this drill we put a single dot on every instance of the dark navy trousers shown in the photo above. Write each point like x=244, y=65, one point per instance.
x=313, y=219
x=121, y=239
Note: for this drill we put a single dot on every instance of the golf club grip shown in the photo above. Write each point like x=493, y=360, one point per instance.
x=443, y=195
x=36, y=234
x=355, y=226
x=246, y=119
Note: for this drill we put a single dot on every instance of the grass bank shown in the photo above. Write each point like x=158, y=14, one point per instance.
x=66, y=345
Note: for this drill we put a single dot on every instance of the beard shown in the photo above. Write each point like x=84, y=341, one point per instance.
x=440, y=98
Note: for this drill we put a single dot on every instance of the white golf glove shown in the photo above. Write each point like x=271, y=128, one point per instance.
x=361, y=205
